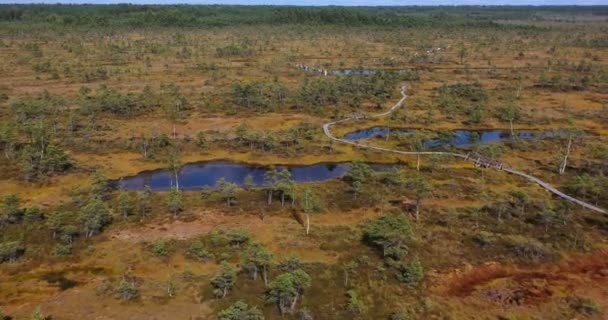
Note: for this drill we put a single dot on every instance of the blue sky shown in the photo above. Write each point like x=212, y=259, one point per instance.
x=334, y=2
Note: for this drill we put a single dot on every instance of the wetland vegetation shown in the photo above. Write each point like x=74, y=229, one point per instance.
x=170, y=162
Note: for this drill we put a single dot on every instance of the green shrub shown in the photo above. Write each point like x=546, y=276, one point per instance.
x=411, y=274
x=62, y=250
x=126, y=290
x=238, y=237
x=483, y=239
x=10, y=211
x=240, y=311
x=218, y=238
x=198, y=251
x=235, y=50
x=355, y=306
x=470, y=91
x=10, y=251
x=527, y=249
x=38, y=315
x=33, y=214
x=160, y=248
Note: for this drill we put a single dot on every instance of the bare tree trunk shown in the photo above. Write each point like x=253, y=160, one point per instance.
x=269, y=197
x=562, y=169
x=418, y=161
x=283, y=199
x=174, y=130
x=145, y=145
x=417, y=210
x=518, y=90
x=346, y=278
x=307, y=224
x=42, y=147
x=264, y=276
x=295, y=300
x=169, y=290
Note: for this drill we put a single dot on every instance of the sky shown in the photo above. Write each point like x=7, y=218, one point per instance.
x=332, y=2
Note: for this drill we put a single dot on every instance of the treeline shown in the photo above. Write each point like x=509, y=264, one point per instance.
x=136, y=16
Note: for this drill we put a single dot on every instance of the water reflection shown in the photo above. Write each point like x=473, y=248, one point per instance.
x=195, y=176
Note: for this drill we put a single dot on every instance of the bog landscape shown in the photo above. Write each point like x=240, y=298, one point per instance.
x=278, y=162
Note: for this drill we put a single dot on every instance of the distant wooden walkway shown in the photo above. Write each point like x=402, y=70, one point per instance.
x=479, y=161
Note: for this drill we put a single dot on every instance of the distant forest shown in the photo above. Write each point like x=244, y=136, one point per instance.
x=194, y=16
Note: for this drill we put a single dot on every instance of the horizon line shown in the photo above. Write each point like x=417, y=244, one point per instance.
x=202, y=3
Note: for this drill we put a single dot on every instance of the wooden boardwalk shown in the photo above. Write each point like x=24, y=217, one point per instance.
x=467, y=157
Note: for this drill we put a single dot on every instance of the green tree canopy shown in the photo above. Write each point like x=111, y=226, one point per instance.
x=257, y=258
x=94, y=216
x=287, y=288
x=391, y=233
x=240, y=311
x=224, y=280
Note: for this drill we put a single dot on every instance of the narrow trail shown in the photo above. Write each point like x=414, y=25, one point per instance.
x=545, y=185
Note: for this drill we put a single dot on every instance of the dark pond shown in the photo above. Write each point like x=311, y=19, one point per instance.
x=456, y=138
x=195, y=176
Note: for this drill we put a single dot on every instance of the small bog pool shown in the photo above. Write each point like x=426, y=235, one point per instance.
x=195, y=176
x=456, y=138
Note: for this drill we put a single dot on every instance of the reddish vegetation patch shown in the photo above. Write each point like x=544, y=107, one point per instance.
x=595, y=265
x=510, y=285
x=464, y=284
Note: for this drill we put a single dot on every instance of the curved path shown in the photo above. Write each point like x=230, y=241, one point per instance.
x=327, y=131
